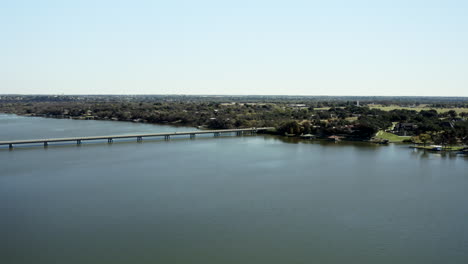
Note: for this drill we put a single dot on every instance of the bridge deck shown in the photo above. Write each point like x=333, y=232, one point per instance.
x=48, y=140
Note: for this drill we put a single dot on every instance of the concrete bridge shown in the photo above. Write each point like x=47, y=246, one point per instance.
x=138, y=137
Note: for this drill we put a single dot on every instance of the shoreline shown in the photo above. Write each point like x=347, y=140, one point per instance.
x=442, y=149
x=458, y=148
x=98, y=119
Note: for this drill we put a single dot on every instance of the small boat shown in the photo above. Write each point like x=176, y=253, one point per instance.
x=308, y=136
x=436, y=148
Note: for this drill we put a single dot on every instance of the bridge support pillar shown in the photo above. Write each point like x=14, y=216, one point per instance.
x=216, y=134
x=46, y=144
x=110, y=140
x=167, y=137
x=10, y=146
x=139, y=139
x=78, y=142
x=239, y=133
x=192, y=136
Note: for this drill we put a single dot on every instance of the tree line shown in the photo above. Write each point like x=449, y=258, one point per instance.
x=297, y=116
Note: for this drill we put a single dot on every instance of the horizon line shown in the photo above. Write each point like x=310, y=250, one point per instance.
x=226, y=95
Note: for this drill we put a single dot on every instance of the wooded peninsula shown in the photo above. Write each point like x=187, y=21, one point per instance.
x=420, y=120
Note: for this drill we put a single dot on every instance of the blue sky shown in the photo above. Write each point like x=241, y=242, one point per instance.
x=235, y=47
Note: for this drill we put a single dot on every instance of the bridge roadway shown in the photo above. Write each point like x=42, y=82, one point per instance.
x=139, y=137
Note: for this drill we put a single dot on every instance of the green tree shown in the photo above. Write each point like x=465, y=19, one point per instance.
x=452, y=113
x=451, y=137
x=290, y=127
x=424, y=138
x=306, y=127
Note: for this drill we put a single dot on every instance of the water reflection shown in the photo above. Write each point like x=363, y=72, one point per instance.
x=428, y=154
x=250, y=199
x=324, y=142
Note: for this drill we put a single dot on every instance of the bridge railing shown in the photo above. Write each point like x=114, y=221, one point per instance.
x=139, y=137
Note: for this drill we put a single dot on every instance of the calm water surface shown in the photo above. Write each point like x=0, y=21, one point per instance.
x=225, y=200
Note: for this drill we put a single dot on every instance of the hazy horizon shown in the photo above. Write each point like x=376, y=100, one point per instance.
x=234, y=95
x=301, y=48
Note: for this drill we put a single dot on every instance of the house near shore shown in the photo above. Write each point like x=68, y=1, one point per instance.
x=403, y=129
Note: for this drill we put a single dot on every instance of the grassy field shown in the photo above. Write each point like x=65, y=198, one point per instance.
x=418, y=108
x=389, y=136
x=323, y=108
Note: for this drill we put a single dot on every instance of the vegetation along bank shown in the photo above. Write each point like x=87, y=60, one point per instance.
x=420, y=120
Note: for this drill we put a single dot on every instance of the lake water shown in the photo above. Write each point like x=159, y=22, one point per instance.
x=251, y=199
